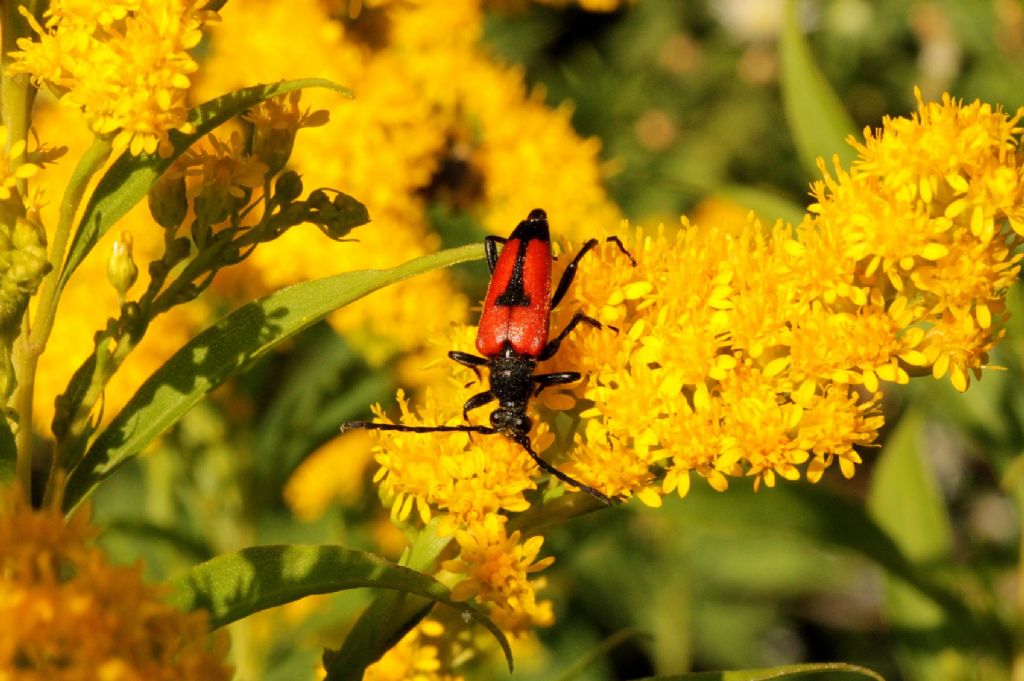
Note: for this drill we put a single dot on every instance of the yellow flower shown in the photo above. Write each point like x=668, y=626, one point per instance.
x=921, y=216
x=275, y=123
x=332, y=472
x=68, y=613
x=125, y=65
x=414, y=658
x=12, y=166
x=497, y=569
x=737, y=352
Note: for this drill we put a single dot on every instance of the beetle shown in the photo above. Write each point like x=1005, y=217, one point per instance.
x=513, y=336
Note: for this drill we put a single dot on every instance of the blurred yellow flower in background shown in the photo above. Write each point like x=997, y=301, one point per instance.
x=68, y=613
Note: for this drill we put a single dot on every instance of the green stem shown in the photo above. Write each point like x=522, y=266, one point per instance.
x=91, y=162
x=32, y=342
x=18, y=92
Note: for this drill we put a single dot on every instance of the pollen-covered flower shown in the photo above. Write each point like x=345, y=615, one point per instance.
x=125, y=65
x=497, y=568
x=69, y=614
x=922, y=215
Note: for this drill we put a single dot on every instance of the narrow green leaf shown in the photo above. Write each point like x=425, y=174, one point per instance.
x=8, y=452
x=228, y=348
x=784, y=672
x=816, y=117
x=235, y=585
x=129, y=178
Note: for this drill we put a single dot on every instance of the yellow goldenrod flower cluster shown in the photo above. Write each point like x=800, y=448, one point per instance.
x=69, y=614
x=754, y=352
x=124, y=65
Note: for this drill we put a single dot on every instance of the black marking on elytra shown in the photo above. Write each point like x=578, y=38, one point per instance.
x=514, y=294
x=534, y=227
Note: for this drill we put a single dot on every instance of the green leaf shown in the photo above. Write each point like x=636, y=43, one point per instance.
x=235, y=585
x=129, y=178
x=8, y=452
x=816, y=117
x=907, y=503
x=783, y=672
x=226, y=349
x=905, y=499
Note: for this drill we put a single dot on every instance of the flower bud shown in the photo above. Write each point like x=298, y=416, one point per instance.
x=288, y=187
x=23, y=265
x=121, y=269
x=167, y=200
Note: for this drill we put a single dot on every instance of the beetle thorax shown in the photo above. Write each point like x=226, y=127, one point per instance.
x=512, y=385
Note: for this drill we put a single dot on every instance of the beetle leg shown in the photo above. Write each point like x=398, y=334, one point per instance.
x=570, y=271
x=543, y=381
x=552, y=347
x=491, y=250
x=468, y=360
x=476, y=401
x=524, y=442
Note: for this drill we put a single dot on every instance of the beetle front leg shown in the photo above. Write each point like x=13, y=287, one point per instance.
x=475, y=402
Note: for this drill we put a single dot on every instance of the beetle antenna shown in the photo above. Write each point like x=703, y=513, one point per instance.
x=370, y=425
x=524, y=442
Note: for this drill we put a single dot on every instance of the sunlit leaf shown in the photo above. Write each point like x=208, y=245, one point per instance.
x=236, y=585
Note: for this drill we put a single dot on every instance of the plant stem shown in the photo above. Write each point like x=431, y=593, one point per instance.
x=32, y=342
x=17, y=93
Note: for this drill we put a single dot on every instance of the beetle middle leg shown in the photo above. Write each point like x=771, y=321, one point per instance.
x=475, y=402
x=543, y=381
x=467, y=360
x=552, y=347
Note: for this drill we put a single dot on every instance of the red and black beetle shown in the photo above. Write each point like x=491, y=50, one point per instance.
x=513, y=336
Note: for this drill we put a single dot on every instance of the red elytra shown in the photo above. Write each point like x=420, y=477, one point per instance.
x=517, y=308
